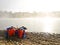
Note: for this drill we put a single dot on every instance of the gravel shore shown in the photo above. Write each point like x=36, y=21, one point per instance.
x=33, y=38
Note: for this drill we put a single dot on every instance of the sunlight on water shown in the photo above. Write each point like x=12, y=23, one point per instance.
x=36, y=24
x=48, y=24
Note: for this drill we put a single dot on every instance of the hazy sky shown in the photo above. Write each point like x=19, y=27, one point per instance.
x=30, y=5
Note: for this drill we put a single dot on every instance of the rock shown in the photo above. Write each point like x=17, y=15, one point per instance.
x=34, y=39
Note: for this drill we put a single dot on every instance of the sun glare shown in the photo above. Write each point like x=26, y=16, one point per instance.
x=48, y=24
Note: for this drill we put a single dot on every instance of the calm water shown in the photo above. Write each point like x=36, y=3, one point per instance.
x=33, y=24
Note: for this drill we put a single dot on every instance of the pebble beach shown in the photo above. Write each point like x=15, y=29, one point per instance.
x=34, y=38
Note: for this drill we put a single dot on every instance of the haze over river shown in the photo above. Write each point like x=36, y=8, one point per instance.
x=37, y=24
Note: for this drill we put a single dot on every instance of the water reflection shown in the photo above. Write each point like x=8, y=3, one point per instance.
x=33, y=24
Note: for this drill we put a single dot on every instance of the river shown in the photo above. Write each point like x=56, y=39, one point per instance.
x=33, y=24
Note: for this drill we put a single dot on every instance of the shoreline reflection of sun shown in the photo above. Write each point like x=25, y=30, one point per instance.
x=48, y=24
x=46, y=21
